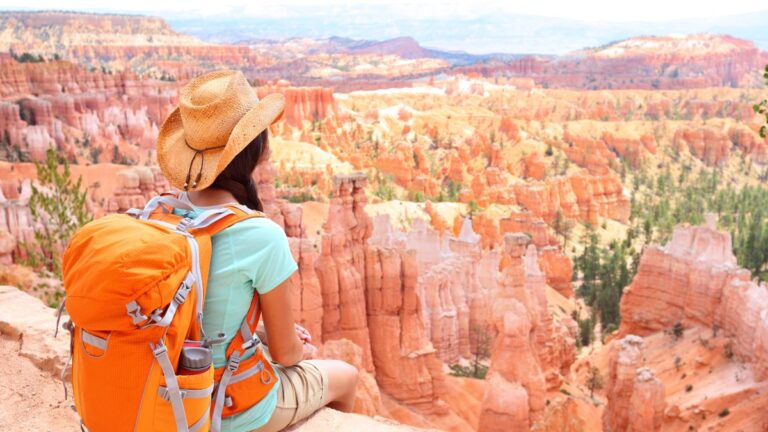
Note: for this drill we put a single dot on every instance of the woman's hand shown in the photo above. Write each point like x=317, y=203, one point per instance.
x=310, y=351
x=303, y=334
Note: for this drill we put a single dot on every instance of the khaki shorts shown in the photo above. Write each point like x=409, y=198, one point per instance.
x=303, y=390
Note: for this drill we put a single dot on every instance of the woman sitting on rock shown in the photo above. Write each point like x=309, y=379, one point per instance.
x=214, y=167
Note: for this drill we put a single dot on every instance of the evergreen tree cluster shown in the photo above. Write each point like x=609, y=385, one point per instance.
x=604, y=272
x=667, y=201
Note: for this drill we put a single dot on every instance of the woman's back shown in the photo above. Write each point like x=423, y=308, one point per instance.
x=248, y=257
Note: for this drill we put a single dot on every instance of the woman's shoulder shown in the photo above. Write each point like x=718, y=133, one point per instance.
x=257, y=228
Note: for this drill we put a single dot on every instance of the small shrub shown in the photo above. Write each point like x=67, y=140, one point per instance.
x=688, y=388
x=728, y=350
x=724, y=412
x=704, y=342
x=594, y=380
x=677, y=330
x=478, y=372
x=565, y=392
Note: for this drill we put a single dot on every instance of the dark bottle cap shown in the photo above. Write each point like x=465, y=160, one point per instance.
x=195, y=358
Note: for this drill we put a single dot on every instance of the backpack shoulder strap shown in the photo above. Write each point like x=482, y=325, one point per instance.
x=240, y=214
x=246, y=335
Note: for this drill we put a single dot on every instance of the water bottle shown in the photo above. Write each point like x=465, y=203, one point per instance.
x=194, y=359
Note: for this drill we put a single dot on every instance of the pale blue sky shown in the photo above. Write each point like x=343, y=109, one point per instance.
x=590, y=10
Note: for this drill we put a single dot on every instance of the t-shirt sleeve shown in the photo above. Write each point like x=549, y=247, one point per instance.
x=265, y=255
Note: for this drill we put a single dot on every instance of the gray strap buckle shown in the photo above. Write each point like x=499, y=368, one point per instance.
x=254, y=341
x=134, y=311
x=158, y=349
x=219, y=338
x=181, y=294
x=184, y=224
x=234, y=362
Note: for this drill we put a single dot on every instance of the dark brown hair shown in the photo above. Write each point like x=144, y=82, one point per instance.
x=236, y=177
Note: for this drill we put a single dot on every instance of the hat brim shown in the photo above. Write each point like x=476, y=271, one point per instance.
x=175, y=157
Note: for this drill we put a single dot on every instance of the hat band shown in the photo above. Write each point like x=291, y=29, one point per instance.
x=202, y=162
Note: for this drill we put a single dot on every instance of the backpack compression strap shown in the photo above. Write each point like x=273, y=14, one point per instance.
x=239, y=214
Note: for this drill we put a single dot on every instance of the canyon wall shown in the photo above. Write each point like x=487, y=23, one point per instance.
x=531, y=352
x=641, y=63
x=694, y=280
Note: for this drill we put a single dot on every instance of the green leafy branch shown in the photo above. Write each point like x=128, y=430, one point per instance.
x=762, y=108
x=58, y=208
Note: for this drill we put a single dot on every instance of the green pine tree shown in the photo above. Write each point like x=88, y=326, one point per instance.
x=58, y=208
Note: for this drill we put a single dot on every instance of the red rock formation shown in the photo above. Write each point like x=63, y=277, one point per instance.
x=15, y=219
x=136, y=186
x=706, y=143
x=310, y=104
x=307, y=296
x=694, y=280
x=367, y=396
x=639, y=63
x=749, y=142
x=582, y=197
x=341, y=266
x=531, y=350
x=646, y=406
x=635, y=397
x=514, y=396
x=89, y=116
x=558, y=268
x=407, y=366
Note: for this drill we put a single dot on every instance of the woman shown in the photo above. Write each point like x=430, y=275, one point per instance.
x=208, y=148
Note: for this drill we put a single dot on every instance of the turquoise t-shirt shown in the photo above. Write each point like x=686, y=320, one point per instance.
x=250, y=255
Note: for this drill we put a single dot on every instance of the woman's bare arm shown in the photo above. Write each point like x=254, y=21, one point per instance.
x=285, y=347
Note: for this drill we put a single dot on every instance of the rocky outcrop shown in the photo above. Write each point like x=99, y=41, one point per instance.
x=15, y=219
x=406, y=363
x=558, y=269
x=331, y=420
x=307, y=295
x=89, y=116
x=531, y=350
x=694, y=280
x=341, y=266
x=139, y=42
x=515, y=392
x=456, y=280
x=649, y=62
x=367, y=396
x=310, y=104
x=582, y=197
x=710, y=145
x=635, y=397
x=136, y=186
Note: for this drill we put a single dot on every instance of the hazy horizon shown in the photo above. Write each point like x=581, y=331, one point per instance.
x=487, y=29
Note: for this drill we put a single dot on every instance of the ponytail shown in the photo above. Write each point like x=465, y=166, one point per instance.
x=237, y=177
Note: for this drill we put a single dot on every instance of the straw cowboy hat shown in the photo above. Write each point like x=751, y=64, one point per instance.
x=218, y=115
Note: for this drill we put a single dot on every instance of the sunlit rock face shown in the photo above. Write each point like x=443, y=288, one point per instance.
x=694, y=280
x=635, y=396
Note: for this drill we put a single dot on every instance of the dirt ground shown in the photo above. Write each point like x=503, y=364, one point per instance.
x=31, y=399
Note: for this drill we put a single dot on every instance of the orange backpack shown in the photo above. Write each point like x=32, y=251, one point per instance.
x=135, y=286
